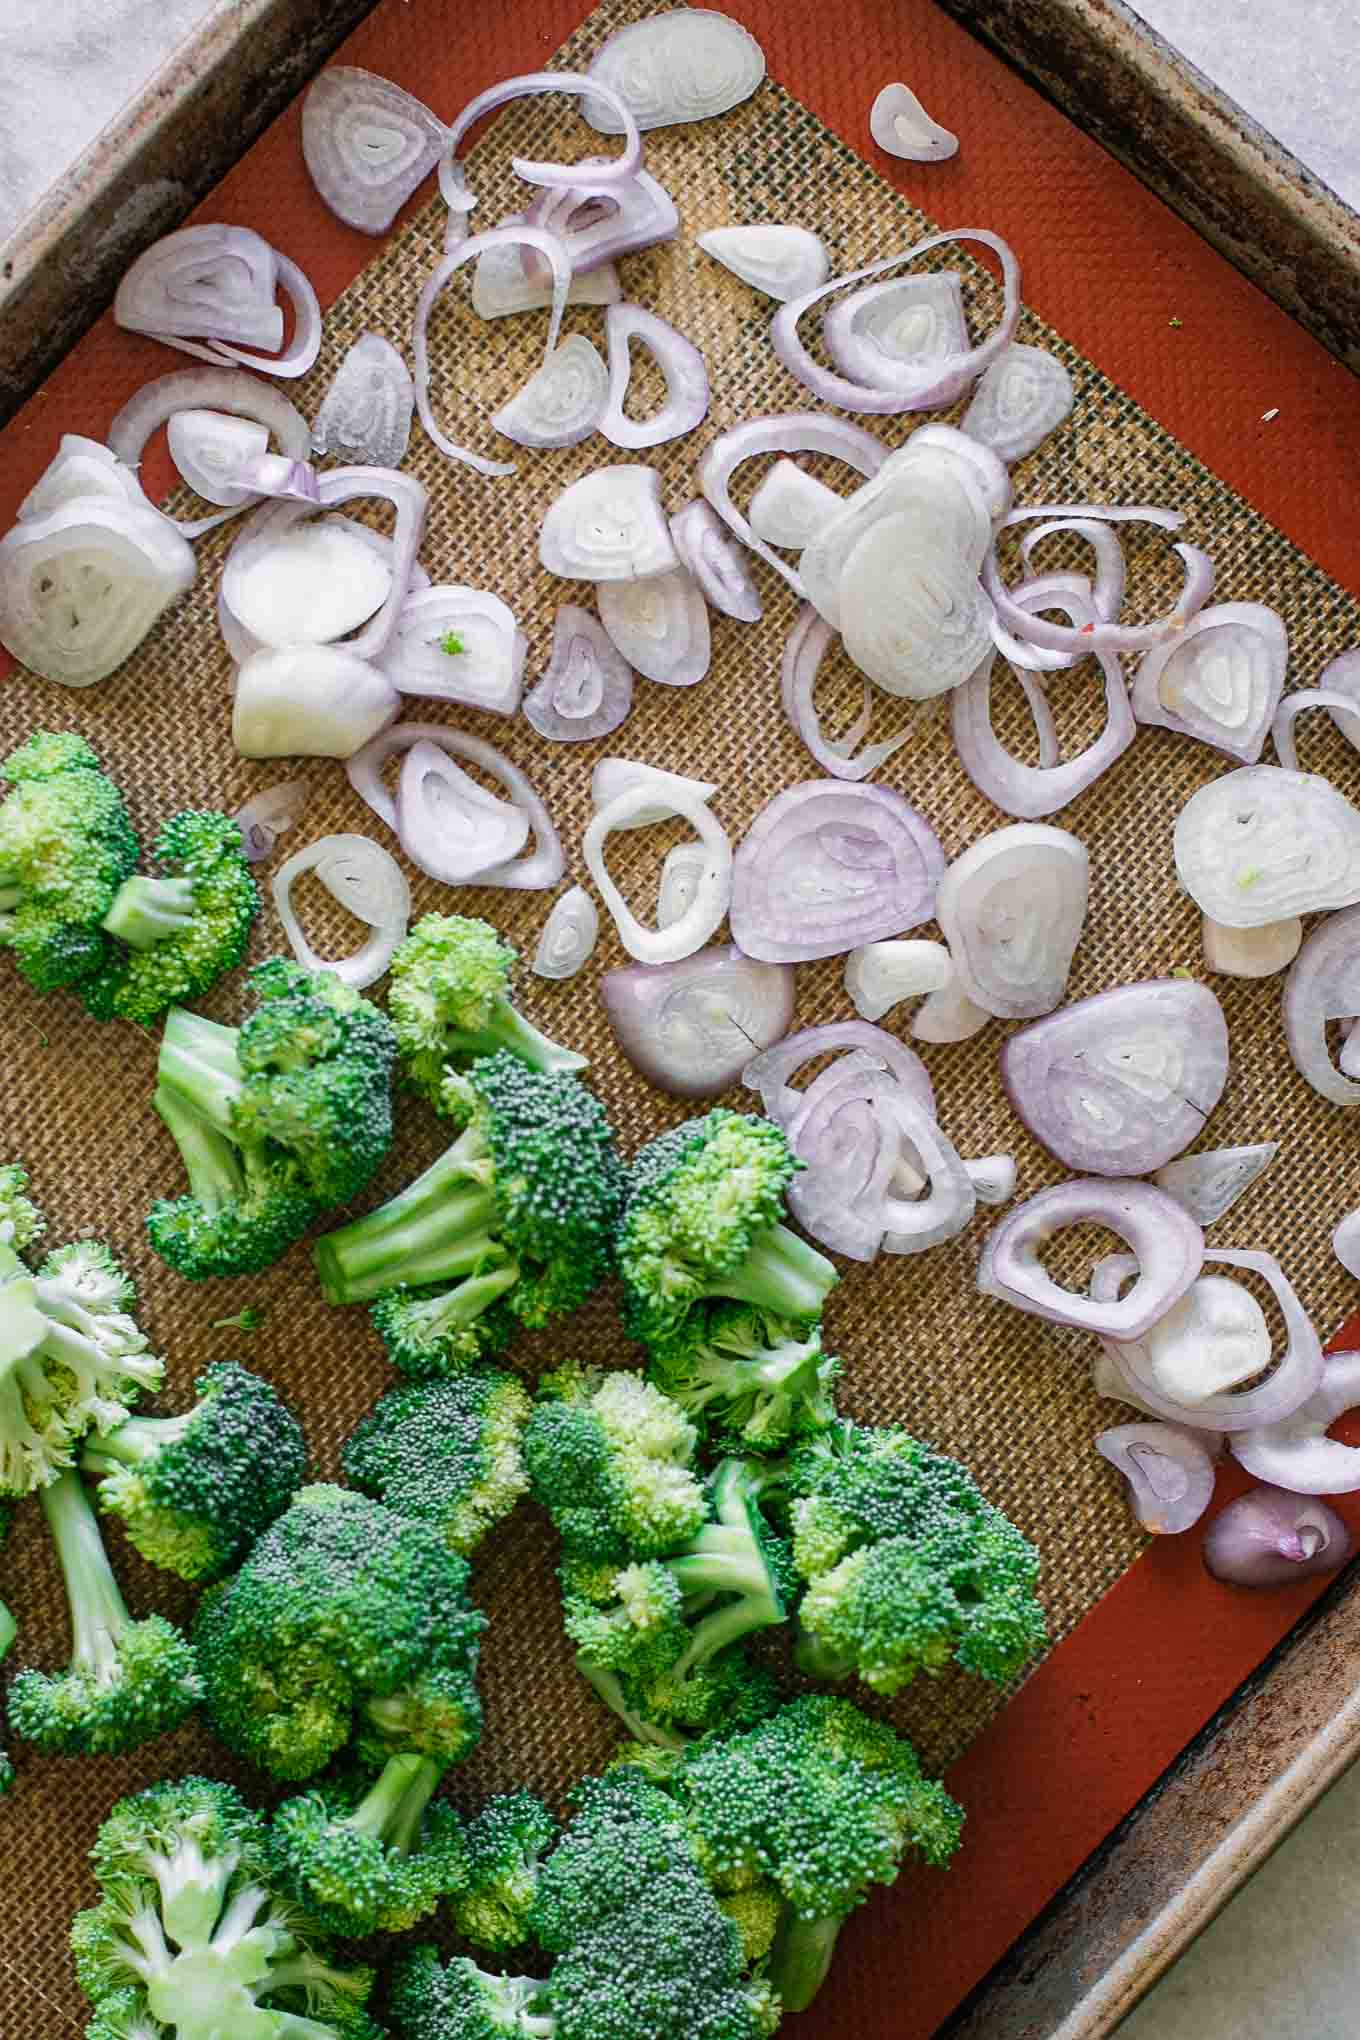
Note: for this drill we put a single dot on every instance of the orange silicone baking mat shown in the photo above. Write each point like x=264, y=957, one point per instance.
x=1178, y=360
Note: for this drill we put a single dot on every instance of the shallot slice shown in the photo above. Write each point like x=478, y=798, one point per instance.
x=770, y=1074
x=501, y=288
x=458, y=644
x=569, y=936
x=602, y=175
x=1340, y=706
x=209, y=291
x=366, y=413
x=948, y=1015
x=564, y=400
x=1219, y=680
x=1169, y=1474
x=1209, y=1184
x=268, y=815
x=681, y=365
x=689, y=1027
x=1120, y=1083
x=781, y=261
x=1196, y=588
x=1262, y=844
x=660, y=626
x=361, y=876
x=901, y=126
x=79, y=468
x=887, y=335
x=790, y=506
x=681, y=871
x=594, y=229
x=608, y=526
x=790, y=432
x=826, y=867
x=587, y=690
x=539, y=870
x=449, y=826
x=309, y=701
x=210, y=449
x=880, y=975
x=367, y=145
x=1250, y=952
x=714, y=560
x=1032, y=791
x=1339, y=676
x=1296, y=1452
x=1012, y=909
x=228, y=390
x=1167, y=1246
x=702, y=918
x=950, y=523
x=689, y=64
x=668, y=792
x=311, y=583
x=81, y=586
x=1271, y=1538
x=1025, y=394
x=1324, y=985
x=914, y=617
x=804, y=651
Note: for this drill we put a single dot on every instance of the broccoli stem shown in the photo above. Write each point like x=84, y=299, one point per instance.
x=134, y=1442
x=147, y=910
x=99, y=1615
x=435, y=1230
x=509, y=1029
x=392, y=1809
x=199, y=1082
x=801, y=1957
x=781, y=1274
x=609, y=1689
x=437, y=1315
x=727, y=1558
x=818, y=1661
x=210, y=1163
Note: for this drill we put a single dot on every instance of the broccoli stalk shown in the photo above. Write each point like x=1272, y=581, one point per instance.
x=127, y=1681
x=378, y=1864
x=755, y=1380
x=439, y=1228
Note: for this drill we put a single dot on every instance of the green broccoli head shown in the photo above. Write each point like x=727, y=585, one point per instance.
x=365, y=1858
x=612, y=1461
x=127, y=1681
x=276, y=1121
x=505, y=1846
x=448, y=1453
x=66, y=845
x=702, y=1218
x=459, y=2001
x=195, y=1491
x=449, y=997
x=346, y=1623
x=908, y=1567
x=511, y=1225
x=818, y=1804
x=191, y=1935
x=753, y=1381
x=22, y=1223
x=176, y=936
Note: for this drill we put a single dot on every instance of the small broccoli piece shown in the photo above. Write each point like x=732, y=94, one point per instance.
x=752, y=1380
x=702, y=1218
x=463, y=2002
x=248, y=1320
x=371, y=1860
x=815, y=1805
x=276, y=1121
x=175, y=937
x=66, y=845
x=191, y=1937
x=908, y=1567
x=518, y=1211
x=447, y=1453
x=656, y=1645
x=612, y=1461
x=72, y=1358
x=195, y=1491
x=22, y=1224
x=346, y=1622
x=449, y=997
x=505, y=1846
x=9, y=1629
x=127, y=1681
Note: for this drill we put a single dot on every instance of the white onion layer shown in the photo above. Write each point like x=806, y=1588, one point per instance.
x=686, y=65
x=901, y=126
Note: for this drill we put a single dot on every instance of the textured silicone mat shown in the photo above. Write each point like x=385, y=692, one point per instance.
x=1008, y=1396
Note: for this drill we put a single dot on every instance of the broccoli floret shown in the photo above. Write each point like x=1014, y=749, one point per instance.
x=815, y=1805
x=195, y=1491
x=701, y=1218
x=72, y=1358
x=345, y=1622
x=127, y=1681
x=463, y=2002
x=752, y=1380
x=505, y=1846
x=365, y=1860
x=908, y=1567
x=276, y=1121
x=9, y=1629
x=448, y=995
x=175, y=937
x=656, y=1645
x=518, y=1211
x=22, y=1224
x=612, y=1461
x=66, y=845
x=191, y=1937
x=445, y=1452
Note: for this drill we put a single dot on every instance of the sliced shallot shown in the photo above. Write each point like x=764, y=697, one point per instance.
x=569, y=936
x=483, y=666
x=608, y=526
x=1209, y=1184
x=1339, y=705
x=1120, y=1083
x=1250, y=952
x=1169, y=1474
x=543, y=864
x=602, y=175
x=689, y=1027
x=948, y=1015
x=669, y=791
x=887, y=335
x=1025, y=394
x=712, y=893
x=309, y=701
x=1262, y=844
x=770, y=1074
x=914, y=616
x=1346, y=1243
x=681, y=872
x=209, y=291
x=305, y=583
x=563, y=401
x=81, y=586
x=1219, y=679
x=689, y=64
x=500, y=287
x=1324, y=985
x=782, y=261
x=228, y=390
x=449, y=825
x=880, y=975
x=681, y=365
x=804, y=650
x=595, y=230
x=826, y=867
x=367, y=145
x=790, y=432
x=79, y=468
x=587, y=689
x=901, y=126
x=660, y=626
x=1271, y=1538
x=268, y=815
x=1107, y=633
x=211, y=449
x=361, y=876
x=1339, y=676
x=366, y=413
x=790, y=506
x=1296, y=1453
x=1012, y=909
x=714, y=560
x=1166, y=1244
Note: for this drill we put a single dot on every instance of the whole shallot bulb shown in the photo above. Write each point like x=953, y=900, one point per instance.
x=1270, y=1538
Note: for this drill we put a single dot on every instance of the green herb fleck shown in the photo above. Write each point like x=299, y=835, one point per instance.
x=248, y=1320
x=1176, y=324
x=452, y=644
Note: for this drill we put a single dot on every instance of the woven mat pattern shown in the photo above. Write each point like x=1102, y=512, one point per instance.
x=1006, y=1394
